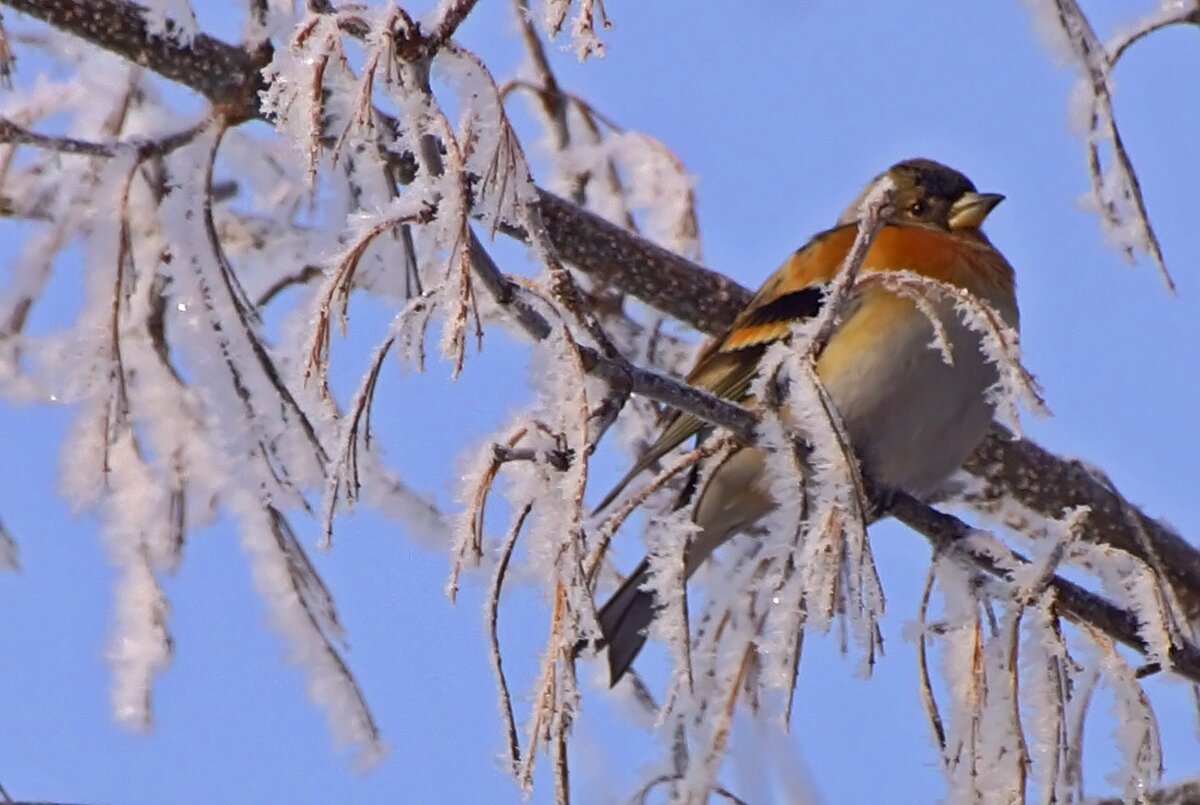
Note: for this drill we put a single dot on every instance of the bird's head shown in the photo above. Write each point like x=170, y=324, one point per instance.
x=930, y=194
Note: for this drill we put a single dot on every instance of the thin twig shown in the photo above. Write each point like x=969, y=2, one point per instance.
x=493, y=610
x=927, y=697
x=1097, y=63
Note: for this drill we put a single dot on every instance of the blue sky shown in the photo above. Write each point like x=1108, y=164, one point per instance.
x=780, y=110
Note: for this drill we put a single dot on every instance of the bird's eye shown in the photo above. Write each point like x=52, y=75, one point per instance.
x=916, y=208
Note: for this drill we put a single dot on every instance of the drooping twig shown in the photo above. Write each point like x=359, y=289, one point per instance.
x=1097, y=62
x=493, y=609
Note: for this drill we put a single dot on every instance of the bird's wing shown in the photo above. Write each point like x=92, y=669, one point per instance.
x=795, y=292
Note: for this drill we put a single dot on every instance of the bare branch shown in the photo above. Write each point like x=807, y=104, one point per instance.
x=1184, y=793
x=226, y=75
x=493, y=608
x=11, y=132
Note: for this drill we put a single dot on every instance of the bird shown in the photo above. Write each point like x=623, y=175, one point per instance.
x=912, y=415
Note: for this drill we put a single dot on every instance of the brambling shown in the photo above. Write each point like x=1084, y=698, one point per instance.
x=911, y=414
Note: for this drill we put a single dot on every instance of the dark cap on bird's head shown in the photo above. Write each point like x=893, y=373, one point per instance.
x=930, y=194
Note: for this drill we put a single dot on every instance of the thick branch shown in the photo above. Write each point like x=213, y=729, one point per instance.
x=618, y=372
x=1049, y=485
x=948, y=533
x=228, y=76
x=675, y=285
x=1183, y=793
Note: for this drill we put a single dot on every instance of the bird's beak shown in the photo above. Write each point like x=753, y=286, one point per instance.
x=970, y=210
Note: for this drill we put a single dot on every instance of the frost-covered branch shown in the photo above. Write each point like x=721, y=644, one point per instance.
x=1184, y=793
x=14, y=134
x=1116, y=190
x=949, y=534
x=1012, y=470
x=228, y=76
x=615, y=370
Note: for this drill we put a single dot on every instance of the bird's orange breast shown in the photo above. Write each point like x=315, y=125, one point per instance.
x=965, y=259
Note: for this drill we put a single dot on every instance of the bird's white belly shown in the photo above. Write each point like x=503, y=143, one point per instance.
x=911, y=416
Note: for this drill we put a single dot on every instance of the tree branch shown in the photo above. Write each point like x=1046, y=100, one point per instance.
x=1186, y=792
x=228, y=76
x=948, y=533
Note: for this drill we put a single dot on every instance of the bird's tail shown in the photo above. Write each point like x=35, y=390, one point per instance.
x=730, y=502
x=624, y=620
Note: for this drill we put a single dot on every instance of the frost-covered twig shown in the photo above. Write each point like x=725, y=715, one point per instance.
x=948, y=533
x=932, y=714
x=872, y=213
x=493, y=607
x=1168, y=13
x=1175, y=619
x=339, y=282
x=612, y=368
x=1139, y=739
x=343, y=479
x=553, y=101
x=583, y=24
x=601, y=166
x=142, y=148
x=7, y=60
x=451, y=15
x=999, y=342
x=1116, y=189
x=470, y=550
